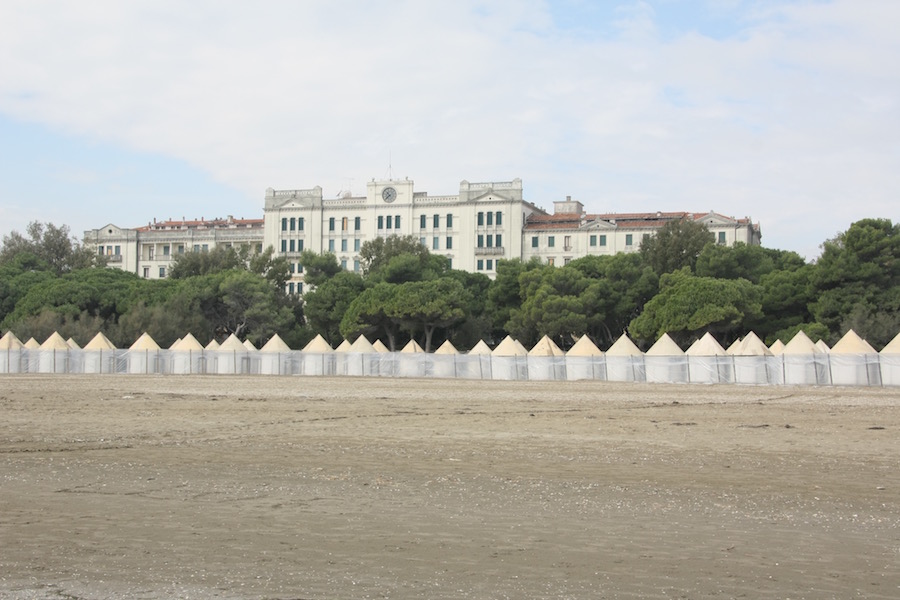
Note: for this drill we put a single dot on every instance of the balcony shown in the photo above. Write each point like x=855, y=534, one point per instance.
x=488, y=250
x=113, y=258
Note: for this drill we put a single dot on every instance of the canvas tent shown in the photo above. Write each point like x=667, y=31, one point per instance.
x=708, y=361
x=665, y=362
x=854, y=362
x=624, y=361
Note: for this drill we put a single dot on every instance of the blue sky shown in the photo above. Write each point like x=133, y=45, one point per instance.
x=786, y=112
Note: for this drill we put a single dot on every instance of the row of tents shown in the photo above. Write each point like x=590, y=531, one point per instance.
x=852, y=361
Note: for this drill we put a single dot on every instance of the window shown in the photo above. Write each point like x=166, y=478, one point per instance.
x=344, y=245
x=490, y=218
x=499, y=220
x=629, y=239
x=567, y=242
x=166, y=250
x=593, y=240
x=449, y=221
x=422, y=221
x=299, y=268
x=197, y=247
x=551, y=261
x=356, y=266
x=551, y=241
x=479, y=265
x=497, y=241
x=356, y=245
x=481, y=219
x=534, y=241
x=293, y=223
x=721, y=237
x=162, y=272
x=490, y=240
x=345, y=224
x=436, y=221
x=449, y=243
x=602, y=240
x=397, y=222
x=344, y=264
x=100, y=250
x=119, y=250
x=380, y=222
x=284, y=245
x=146, y=272
x=645, y=237
x=422, y=241
x=206, y=247
x=292, y=245
x=299, y=223
x=490, y=265
x=330, y=223
x=291, y=288
x=299, y=245
x=480, y=240
x=357, y=223
x=331, y=245
x=284, y=222
x=293, y=267
x=436, y=243
x=299, y=288
x=390, y=222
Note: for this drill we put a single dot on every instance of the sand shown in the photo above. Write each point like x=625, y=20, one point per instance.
x=287, y=487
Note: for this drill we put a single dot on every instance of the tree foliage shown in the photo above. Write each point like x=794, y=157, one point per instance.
x=687, y=306
x=676, y=245
x=54, y=246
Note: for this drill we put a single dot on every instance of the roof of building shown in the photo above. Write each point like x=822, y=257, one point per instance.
x=621, y=220
x=201, y=223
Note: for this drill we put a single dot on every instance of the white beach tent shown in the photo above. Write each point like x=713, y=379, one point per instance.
x=249, y=346
x=854, y=362
x=317, y=357
x=143, y=355
x=624, y=361
x=212, y=345
x=444, y=360
x=708, y=361
x=379, y=346
x=481, y=348
x=187, y=356
x=232, y=357
x=101, y=356
x=54, y=355
x=665, y=362
x=585, y=360
x=889, y=357
x=476, y=363
x=10, y=353
x=803, y=363
x=343, y=346
x=822, y=346
x=508, y=360
x=733, y=348
x=32, y=344
x=546, y=361
x=777, y=348
x=752, y=360
x=275, y=357
x=72, y=344
x=411, y=361
x=360, y=359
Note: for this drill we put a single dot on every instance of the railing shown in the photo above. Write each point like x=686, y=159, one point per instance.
x=489, y=250
x=113, y=258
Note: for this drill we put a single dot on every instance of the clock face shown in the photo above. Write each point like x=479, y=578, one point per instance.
x=389, y=194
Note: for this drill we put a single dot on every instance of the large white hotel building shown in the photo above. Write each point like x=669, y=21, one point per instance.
x=481, y=224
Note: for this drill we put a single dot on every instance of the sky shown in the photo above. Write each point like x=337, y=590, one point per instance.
x=123, y=112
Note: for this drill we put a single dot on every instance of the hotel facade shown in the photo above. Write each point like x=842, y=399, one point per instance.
x=474, y=228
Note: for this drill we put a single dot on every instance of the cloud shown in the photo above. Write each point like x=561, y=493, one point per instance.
x=792, y=119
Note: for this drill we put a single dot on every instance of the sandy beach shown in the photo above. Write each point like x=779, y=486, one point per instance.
x=314, y=488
